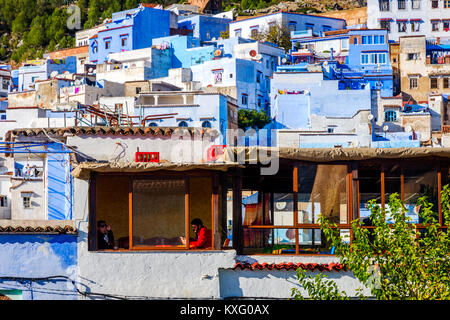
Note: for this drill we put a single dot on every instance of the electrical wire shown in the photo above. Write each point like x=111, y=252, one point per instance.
x=86, y=293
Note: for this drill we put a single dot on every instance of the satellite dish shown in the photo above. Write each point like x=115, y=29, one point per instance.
x=408, y=128
x=434, y=139
x=280, y=205
x=90, y=70
x=77, y=82
x=370, y=116
x=66, y=72
x=258, y=57
x=284, y=60
x=325, y=63
x=253, y=53
x=53, y=74
x=213, y=39
x=385, y=128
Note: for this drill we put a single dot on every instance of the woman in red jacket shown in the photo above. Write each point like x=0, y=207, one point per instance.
x=203, y=234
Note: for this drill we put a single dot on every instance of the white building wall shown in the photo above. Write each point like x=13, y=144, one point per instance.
x=123, y=148
x=283, y=18
x=425, y=13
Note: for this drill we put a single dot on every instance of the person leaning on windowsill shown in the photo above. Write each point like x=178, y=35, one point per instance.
x=105, y=236
x=203, y=240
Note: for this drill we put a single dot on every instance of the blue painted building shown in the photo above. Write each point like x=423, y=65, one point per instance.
x=129, y=30
x=356, y=57
x=297, y=95
x=242, y=79
x=30, y=73
x=204, y=27
x=38, y=246
x=187, y=109
x=186, y=51
x=50, y=257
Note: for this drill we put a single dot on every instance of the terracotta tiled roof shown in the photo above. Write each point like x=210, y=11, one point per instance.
x=133, y=131
x=290, y=266
x=44, y=229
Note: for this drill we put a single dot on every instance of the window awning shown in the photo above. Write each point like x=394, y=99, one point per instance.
x=83, y=170
x=402, y=20
x=385, y=19
x=415, y=20
x=253, y=154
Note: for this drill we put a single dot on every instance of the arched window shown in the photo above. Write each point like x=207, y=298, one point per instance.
x=183, y=124
x=152, y=124
x=206, y=124
x=390, y=116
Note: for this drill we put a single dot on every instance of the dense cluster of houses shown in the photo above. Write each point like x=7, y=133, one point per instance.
x=150, y=98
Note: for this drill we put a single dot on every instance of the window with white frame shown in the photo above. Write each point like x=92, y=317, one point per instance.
x=415, y=26
x=434, y=83
x=413, y=82
x=373, y=58
x=366, y=39
x=26, y=201
x=446, y=82
x=446, y=25
x=435, y=25
x=413, y=56
x=384, y=5
x=254, y=31
x=390, y=116
x=415, y=4
x=385, y=24
x=237, y=32
x=401, y=26
x=365, y=58
x=244, y=99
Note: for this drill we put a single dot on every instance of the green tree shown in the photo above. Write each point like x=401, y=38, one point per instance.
x=277, y=34
x=20, y=23
x=252, y=119
x=317, y=287
x=394, y=258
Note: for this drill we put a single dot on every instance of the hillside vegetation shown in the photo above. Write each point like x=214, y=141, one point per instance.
x=29, y=28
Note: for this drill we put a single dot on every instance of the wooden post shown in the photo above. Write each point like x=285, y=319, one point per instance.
x=187, y=213
x=238, y=233
x=382, y=187
x=130, y=214
x=216, y=241
x=439, y=177
x=295, y=209
x=92, y=239
x=355, y=192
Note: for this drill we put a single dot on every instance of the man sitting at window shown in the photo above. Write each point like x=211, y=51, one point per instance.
x=203, y=240
x=105, y=237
